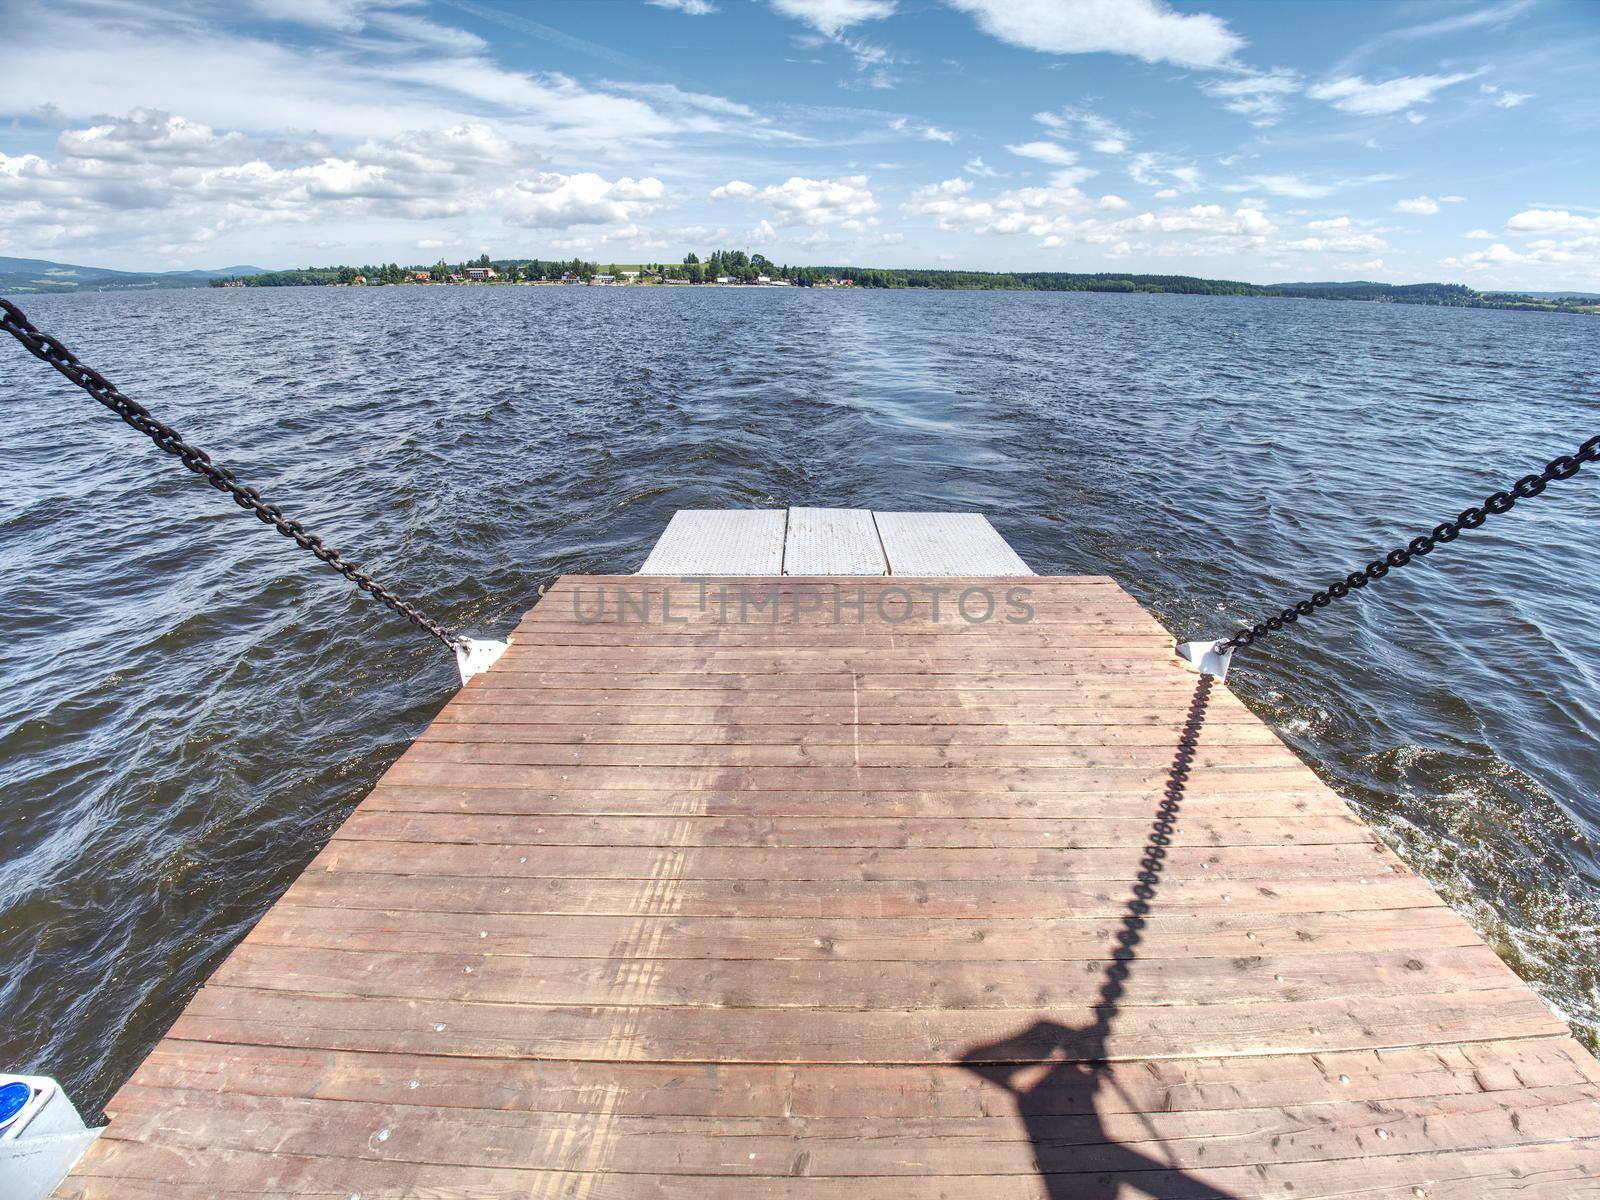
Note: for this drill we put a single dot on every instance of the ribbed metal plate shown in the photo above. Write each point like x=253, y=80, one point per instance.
x=833, y=541
x=952, y=544
x=728, y=541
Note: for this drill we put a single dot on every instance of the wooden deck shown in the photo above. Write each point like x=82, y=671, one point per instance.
x=874, y=910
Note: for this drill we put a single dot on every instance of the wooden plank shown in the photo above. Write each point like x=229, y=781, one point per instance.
x=946, y=544
x=834, y=939
x=859, y=900
x=132, y=1170
x=832, y=541
x=909, y=867
x=822, y=830
x=719, y=542
x=814, y=1090
x=793, y=908
x=932, y=982
x=752, y=1147
x=441, y=1025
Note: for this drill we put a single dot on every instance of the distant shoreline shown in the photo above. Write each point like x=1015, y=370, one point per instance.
x=1501, y=301
x=739, y=269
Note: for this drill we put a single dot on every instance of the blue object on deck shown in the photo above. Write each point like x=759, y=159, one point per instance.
x=14, y=1097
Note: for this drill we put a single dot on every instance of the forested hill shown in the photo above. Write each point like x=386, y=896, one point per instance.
x=1040, y=281
x=1406, y=293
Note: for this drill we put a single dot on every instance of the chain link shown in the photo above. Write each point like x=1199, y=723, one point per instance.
x=50, y=350
x=1563, y=466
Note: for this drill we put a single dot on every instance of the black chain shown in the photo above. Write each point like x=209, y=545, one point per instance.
x=1563, y=466
x=48, y=349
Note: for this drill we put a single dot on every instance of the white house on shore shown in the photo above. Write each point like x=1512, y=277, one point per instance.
x=480, y=274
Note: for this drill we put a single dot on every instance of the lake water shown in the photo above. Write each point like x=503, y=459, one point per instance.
x=190, y=705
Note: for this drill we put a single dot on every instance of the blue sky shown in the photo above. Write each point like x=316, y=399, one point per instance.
x=1259, y=141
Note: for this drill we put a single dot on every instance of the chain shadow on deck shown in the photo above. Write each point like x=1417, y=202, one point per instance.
x=1074, y=1155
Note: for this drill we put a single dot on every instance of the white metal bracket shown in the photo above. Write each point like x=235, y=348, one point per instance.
x=475, y=656
x=1212, y=658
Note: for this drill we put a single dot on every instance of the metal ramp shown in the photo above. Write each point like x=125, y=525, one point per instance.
x=831, y=541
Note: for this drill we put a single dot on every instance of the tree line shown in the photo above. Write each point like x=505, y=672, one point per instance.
x=739, y=266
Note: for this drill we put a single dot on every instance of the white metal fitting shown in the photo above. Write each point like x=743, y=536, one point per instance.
x=475, y=656
x=1212, y=658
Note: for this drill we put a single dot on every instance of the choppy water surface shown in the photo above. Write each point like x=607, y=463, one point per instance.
x=191, y=706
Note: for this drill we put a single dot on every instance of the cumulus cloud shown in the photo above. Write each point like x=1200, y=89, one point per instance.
x=1561, y=245
x=1145, y=29
x=555, y=201
x=1355, y=94
x=1552, y=220
x=1350, y=243
x=734, y=189
x=847, y=202
x=1062, y=214
x=1425, y=206
x=165, y=180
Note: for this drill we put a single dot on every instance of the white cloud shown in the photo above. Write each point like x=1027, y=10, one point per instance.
x=1103, y=135
x=846, y=202
x=976, y=166
x=694, y=8
x=1162, y=171
x=554, y=201
x=1145, y=29
x=163, y=181
x=1499, y=255
x=1331, y=223
x=1482, y=235
x=1380, y=97
x=832, y=17
x=1062, y=215
x=1292, y=185
x=383, y=73
x=1258, y=95
x=1560, y=245
x=1352, y=243
x=1472, y=18
x=1046, y=152
x=928, y=133
x=734, y=189
x=1505, y=98
x=1552, y=220
x=1421, y=206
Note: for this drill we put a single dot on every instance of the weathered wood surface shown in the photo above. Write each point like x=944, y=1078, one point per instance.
x=790, y=908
